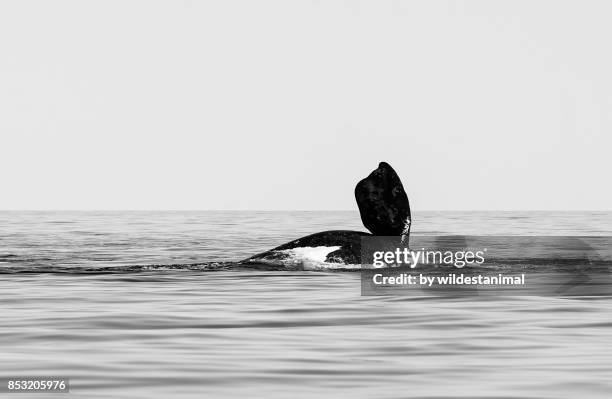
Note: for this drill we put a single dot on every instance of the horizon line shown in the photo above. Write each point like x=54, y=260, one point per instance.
x=295, y=210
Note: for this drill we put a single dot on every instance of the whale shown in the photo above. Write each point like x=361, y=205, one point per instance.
x=384, y=210
x=331, y=249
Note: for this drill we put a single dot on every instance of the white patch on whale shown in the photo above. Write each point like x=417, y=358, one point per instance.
x=313, y=254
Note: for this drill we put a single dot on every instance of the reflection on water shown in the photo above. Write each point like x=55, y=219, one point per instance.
x=280, y=334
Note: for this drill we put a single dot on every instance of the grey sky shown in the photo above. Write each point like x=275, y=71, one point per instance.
x=287, y=104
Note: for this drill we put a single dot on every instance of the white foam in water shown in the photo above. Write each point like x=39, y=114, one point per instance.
x=313, y=258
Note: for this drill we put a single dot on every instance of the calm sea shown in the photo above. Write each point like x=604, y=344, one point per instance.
x=159, y=321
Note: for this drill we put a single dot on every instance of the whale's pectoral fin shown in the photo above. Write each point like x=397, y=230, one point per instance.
x=383, y=203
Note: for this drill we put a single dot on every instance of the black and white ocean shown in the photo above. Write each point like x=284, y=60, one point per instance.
x=153, y=305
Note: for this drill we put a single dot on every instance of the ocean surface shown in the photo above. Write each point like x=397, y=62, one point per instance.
x=148, y=305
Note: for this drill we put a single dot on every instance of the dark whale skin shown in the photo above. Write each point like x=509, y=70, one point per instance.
x=349, y=242
x=383, y=203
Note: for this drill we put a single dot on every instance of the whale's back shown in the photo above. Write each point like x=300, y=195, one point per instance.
x=324, y=250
